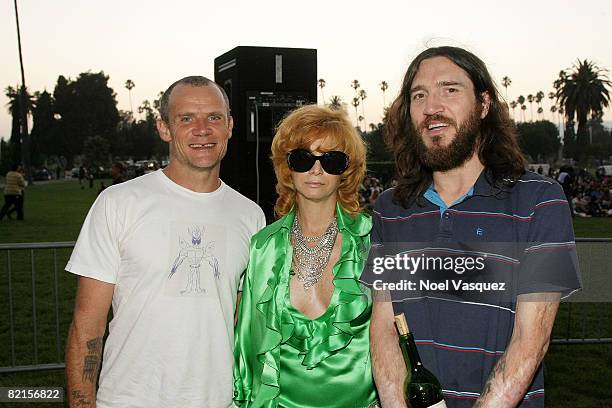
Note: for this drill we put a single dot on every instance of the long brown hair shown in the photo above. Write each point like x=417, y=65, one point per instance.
x=298, y=131
x=498, y=148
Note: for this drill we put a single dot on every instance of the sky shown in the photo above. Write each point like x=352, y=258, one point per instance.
x=155, y=42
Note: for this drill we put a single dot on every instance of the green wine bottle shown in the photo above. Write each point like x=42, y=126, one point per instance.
x=421, y=388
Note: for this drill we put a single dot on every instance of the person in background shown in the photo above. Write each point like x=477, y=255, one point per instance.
x=14, y=193
x=118, y=172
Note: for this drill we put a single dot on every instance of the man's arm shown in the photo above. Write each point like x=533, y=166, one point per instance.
x=510, y=379
x=84, y=349
x=387, y=361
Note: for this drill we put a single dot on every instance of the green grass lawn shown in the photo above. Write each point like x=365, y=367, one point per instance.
x=577, y=376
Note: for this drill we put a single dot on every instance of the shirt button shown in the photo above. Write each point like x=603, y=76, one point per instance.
x=446, y=215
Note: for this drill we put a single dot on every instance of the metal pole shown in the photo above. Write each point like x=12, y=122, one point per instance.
x=11, y=313
x=34, y=322
x=57, y=330
x=25, y=139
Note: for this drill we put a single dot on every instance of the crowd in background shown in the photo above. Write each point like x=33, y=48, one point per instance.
x=590, y=195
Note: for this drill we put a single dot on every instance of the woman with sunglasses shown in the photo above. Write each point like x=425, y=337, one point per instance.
x=302, y=337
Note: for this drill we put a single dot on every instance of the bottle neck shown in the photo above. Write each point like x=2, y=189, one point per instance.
x=410, y=352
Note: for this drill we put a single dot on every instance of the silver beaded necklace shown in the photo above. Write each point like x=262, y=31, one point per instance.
x=309, y=262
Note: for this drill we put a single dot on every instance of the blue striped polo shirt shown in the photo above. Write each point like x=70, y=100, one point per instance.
x=461, y=339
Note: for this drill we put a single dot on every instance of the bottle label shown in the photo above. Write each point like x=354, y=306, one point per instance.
x=440, y=404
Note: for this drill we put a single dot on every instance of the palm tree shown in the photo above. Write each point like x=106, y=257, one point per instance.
x=383, y=87
x=14, y=106
x=521, y=102
x=583, y=91
x=25, y=138
x=530, y=100
x=553, y=111
x=551, y=96
x=506, y=81
x=322, y=85
x=335, y=102
x=539, y=96
x=362, y=95
x=523, y=109
x=356, y=104
x=355, y=85
x=129, y=84
x=513, y=106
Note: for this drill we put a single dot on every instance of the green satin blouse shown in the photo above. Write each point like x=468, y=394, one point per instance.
x=284, y=359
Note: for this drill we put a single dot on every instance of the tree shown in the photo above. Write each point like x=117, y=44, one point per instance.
x=355, y=85
x=129, y=84
x=539, y=96
x=356, y=104
x=87, y=107
x=335, y=102
x=551, y=96
x=322, y=85
x=362, y=95
x=506, y=81
x=14, y=108
x=376, y=148
x=540, y=139
x=25, y=138
x=600, y=146
x=521, y=102
x=383, y=87
x=43, y=129
x=157, y=102
x=513, y=107
x=530, y=100
x=96, y=151
x=582, y=91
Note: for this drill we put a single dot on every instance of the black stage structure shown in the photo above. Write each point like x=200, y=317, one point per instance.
x=263, y=84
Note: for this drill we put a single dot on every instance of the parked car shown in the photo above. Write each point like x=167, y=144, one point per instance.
x=41, y=175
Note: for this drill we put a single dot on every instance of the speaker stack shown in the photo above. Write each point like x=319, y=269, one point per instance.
x=263, y=84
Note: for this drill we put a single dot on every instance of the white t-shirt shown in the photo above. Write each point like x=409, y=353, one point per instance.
x=175, y=258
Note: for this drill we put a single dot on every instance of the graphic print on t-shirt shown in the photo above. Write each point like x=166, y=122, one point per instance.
x=194, y=259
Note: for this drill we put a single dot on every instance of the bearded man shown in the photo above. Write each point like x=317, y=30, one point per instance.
x=462, y=180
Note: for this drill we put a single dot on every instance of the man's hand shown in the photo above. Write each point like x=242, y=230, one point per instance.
x=510, y=379
x=387, y=361
x=84, y=349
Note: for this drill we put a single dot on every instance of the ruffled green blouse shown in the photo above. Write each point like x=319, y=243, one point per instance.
x=284, y=359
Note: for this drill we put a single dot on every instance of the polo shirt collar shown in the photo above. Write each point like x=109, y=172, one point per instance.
x=482, y=187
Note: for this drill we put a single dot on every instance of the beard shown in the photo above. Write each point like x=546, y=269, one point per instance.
x=440, y=158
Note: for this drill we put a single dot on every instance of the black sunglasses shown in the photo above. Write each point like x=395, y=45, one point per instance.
x=334, y=162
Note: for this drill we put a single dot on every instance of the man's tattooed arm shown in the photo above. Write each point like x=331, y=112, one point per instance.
x=511, y=376
x=78, y=399
x=91, y=362
x=85, y=341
